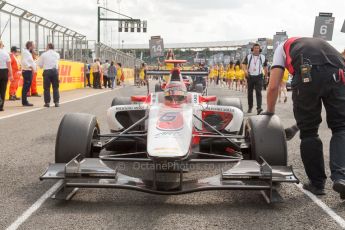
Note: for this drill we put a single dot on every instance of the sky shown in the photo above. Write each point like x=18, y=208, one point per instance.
x=194, y=20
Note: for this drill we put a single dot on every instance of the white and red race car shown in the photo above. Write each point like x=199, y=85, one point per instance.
x=173, y=129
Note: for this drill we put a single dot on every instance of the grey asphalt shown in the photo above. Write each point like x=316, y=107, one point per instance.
x=27, y=146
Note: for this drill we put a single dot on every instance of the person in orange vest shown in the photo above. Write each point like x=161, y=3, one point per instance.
x=33, y=89
x=16, y=74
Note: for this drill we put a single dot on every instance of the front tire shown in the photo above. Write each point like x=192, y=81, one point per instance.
x=74, y=136
x=267, y=139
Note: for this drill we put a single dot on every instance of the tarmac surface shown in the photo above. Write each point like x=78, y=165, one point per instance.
x=27, y=144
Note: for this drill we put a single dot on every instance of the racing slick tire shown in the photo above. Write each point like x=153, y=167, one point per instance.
x=235, y=102
x=227, y=101
x=127, y=118
x=74, y=137
x=121, y=101
x=267, y=139
x=199, y=88
x=158, y=87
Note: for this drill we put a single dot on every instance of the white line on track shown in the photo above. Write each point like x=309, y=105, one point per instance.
x=35, y=206
x=37, y=109
x=323, y=206
x=21, y=219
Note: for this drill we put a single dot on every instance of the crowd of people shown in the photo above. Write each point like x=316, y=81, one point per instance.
x=105, y=75
x=12, y=69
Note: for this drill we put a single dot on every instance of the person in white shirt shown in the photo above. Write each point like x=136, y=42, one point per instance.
x=28, y=68
x=106, y=80
x=49, y=62
x=5, y=74
x=255, y=68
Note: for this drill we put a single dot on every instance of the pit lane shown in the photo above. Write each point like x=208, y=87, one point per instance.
x=27, y=146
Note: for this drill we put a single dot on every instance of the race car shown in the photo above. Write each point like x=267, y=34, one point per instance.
x=171, y=131
x=193, y=80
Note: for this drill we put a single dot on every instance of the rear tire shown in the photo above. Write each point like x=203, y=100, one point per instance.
x=267, y=139
x=74, y=137
x=121, y=101
x=158, y=87
x=199, y=88
x=235, y=102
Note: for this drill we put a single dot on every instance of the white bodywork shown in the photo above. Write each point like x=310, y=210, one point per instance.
x=170, y=129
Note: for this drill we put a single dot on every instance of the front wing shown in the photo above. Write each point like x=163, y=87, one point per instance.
x=245, y=175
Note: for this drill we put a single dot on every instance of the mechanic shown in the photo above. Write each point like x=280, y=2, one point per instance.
x=28, y=68
x=5, y=74
x=16, y=74
x=255, y=68
x=318, y=76
x=49, y=62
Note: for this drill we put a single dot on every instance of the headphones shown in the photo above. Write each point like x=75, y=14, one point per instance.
x=252, y=49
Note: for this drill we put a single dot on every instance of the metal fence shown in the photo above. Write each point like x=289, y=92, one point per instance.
x=18, y=25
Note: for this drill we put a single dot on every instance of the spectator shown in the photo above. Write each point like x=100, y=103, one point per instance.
x=120, y=74
x=96, y=71
x=105, y=68
x=28, y=68
x=33, y=89
x=5, y=74
x=170, y=55
x=49, y=61
x=16, y=73
x=112, y=72
x=87, y=73
x=343, y=53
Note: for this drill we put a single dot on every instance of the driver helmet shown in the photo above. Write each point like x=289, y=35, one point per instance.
x=175, y=92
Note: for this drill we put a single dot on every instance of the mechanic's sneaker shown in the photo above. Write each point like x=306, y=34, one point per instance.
x=249, y=111
x=46, y=105
x=28, y=104
x=313, y=189
x=259, y=111
x=339, y=187
x=57, y=105
x=12, y=98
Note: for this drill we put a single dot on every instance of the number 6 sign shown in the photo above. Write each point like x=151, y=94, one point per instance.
x=324, y=25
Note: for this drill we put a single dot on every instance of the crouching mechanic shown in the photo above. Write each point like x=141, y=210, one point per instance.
x=318, y=76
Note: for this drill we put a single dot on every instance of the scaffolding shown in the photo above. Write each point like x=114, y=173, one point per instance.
x=21, y=26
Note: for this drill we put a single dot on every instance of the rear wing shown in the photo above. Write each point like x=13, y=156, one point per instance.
x=183, y=72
